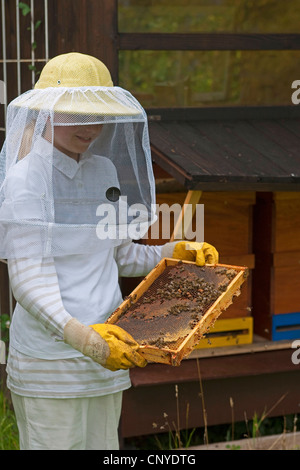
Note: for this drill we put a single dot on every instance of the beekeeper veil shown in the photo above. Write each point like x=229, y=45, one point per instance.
x=75, y=169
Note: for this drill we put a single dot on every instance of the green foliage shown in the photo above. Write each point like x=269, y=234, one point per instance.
x=216, y=77
x=25, y=9
x=219, y=433
x=4, y=327
x=9, y=439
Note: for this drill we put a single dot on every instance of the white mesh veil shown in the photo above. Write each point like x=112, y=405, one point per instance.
x=75, y=169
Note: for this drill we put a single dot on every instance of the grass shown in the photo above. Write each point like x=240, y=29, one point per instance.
x=9, y=439
x=213, y=434
x=175, y=437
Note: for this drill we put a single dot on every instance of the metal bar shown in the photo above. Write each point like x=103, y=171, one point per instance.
x=11, y=301
x=14, y=61
x=4, y=56
x=32, y=42
x=46, y=30
x=18, y=47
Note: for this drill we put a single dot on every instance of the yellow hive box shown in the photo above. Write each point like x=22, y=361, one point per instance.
x=228, y=332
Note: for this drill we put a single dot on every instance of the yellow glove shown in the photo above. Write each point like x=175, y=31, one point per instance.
x=108, y=345
x=123, y=348
x=201, y=253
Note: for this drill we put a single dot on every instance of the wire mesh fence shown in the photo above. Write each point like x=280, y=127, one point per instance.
x=24, y=49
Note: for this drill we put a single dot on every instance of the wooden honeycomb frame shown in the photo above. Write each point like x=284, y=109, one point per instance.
x=173, y=355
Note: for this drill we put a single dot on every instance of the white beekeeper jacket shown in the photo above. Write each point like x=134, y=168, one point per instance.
x=49, y=291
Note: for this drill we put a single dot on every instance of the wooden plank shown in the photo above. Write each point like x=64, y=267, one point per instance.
x=286, y=258
x=286, y=224
x=238, y=138
x=262, y=301
x=285, y=293
x=292, y=126
x=242, y=158
x=201, y=157
x=262, y=363
x=208, y=147
x=176, y=149
x=242, y=184
x=277, y=249
x=103, y=31
x=235, y=153
x=258, y=344
x=208, y=41
x=232, y=239
x=94, y=33
x=217, y=157
x=247, y=259
x=288, y=141
x=185, y=174
x=192, y=198
x=173, y=168
x=228, y=113
x=277, y=161
x=285, y=441
x=228, y=221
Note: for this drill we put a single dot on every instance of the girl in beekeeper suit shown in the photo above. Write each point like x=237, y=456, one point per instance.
x=76, y=190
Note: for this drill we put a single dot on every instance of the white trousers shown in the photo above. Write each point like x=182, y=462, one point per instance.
x=68, y=424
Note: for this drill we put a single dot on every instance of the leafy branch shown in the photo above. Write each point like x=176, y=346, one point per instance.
x=26, y=10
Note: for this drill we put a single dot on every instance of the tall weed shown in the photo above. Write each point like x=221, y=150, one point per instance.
x=9, y=439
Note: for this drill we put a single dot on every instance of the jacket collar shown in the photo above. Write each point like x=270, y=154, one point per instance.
x=60, y=160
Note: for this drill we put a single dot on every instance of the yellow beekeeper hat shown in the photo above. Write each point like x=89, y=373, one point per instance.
x=86, y=88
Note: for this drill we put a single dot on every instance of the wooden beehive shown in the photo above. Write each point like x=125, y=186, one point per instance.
x=276, y=295
x=175, y=305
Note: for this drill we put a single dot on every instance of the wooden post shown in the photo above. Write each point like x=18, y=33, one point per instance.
x=192, y=198
x=87, y=26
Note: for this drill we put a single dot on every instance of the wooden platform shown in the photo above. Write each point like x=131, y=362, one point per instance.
x=284, y=441
x=259, y=344
x=254, y=376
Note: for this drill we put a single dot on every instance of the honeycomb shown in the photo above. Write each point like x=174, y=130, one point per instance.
x=174, y=304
